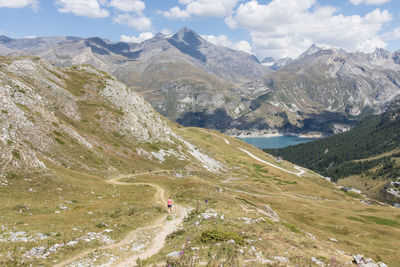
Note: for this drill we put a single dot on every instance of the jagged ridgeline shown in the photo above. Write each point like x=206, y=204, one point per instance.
x=87, y=166
x=196, y=83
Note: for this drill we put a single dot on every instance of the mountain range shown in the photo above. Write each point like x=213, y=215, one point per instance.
x=324, y=90
x=196, y=83
x=87, y=166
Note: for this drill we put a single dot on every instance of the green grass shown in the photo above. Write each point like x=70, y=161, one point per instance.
x=77, y=81
x=215, y=236
x=246, y=201
x=59, y=140
x=381, y=221
x=354, y=195
x=12, y=175
x=355, y=219
x=77, y=181
x=16, y=154
x=291, y=227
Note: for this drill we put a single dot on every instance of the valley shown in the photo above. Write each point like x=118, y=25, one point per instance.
x=196, y=83
x=366, y=157
x=87, y=164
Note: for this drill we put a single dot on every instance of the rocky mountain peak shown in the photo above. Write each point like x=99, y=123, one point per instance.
x=268, y=60
x=379, y=54
x=311, y=50
x=396, y=57
x=4, y=39
x=159, y=36
x=188, y=42
x=187, y=36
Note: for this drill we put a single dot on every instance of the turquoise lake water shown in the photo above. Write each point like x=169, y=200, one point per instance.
x=276, y=141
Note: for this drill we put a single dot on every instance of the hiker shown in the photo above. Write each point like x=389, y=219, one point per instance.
x=169, y=205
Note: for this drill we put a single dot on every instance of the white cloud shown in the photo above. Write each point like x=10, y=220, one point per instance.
x=19, y=3
x=133, y=39
x=369, y=2
x=135, y=6
x=176, y=13
x=85, y=8
x=223, y=40
x=166, y=31
x=285, y=28
x=392, y=35
x=242, y=46
x=185, y=2
x=204, y=8
x=140, y=23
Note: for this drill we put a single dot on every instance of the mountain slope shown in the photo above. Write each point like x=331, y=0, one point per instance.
x=370, y=151
x=186, y=45
x=55, y=114
x=177, y=74
x=325, y=89
x=85, y=162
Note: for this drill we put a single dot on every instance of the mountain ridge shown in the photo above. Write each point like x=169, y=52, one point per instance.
x=189, y=80
x=87, y=164
x=327, y=81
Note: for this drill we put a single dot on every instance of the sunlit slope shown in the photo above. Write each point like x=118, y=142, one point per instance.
x=66, y=133
x=308, y=203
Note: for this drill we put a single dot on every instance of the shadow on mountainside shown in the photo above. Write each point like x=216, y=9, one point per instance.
x=220, y=120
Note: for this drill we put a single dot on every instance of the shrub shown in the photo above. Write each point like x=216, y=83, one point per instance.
x=61, y=142
x=215, y=236
x=291, y=227
x=16, y=154
x=115, y=214
x=381, y=221
x=176, y=233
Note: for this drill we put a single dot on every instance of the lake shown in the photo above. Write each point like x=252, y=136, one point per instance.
x=276, y=141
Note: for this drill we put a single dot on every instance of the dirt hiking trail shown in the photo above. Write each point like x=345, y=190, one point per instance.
x=161, y=226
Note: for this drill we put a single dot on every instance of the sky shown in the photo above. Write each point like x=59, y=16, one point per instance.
x=273, y=28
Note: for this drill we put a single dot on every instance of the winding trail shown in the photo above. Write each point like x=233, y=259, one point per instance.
x=162, y=226
x=207, y=132
x=300, y=173
x=301, y=170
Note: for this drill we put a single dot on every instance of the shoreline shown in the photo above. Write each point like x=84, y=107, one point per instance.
x=256, y=134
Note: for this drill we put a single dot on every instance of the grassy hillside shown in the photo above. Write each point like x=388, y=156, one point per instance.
x=369, y=152
x=349, y=153
x=255, y=213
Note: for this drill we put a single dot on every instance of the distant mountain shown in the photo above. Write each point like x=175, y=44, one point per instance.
x=178, y=74
x=186, y=46
x=324, y=90
x=276, y=64
x=369, y=153
x=268, y=61
x=196, y=83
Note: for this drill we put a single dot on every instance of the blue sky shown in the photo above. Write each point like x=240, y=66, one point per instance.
x=278, y=28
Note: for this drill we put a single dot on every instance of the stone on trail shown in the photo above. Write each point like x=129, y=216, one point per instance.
x=174, y=254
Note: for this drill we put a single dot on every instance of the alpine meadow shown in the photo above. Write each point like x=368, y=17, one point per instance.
x=120, y=123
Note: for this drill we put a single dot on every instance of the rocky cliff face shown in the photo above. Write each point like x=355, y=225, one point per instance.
x=79, y=117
